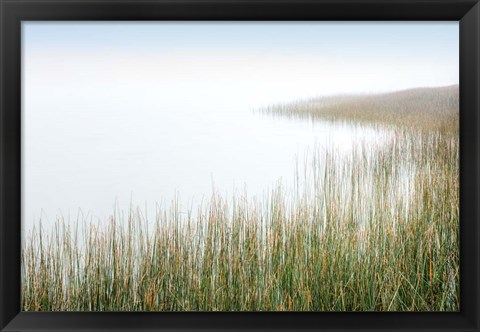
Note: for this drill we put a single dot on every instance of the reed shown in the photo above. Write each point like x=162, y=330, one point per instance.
x=377, y=230
x=420, y=108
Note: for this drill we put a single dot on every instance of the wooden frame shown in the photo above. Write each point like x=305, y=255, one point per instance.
x=14, y=11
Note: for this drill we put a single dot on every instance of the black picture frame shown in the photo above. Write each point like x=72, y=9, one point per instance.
x=13, y=12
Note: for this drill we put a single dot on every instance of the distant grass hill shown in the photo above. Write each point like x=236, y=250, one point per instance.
x=427, y=108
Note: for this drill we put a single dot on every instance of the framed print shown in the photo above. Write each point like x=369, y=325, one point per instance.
x=239, y=165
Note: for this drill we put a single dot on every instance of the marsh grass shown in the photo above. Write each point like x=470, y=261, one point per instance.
x=420, y=108
x=376, y=230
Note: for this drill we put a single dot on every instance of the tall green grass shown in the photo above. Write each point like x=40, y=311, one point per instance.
x=376, y=230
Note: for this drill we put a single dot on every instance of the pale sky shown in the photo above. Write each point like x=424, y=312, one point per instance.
x=260, y=62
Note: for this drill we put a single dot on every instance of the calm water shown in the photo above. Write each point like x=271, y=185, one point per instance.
x=146, y=154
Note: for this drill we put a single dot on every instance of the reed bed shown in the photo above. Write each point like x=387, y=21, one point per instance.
x=421, y=108
x=376, y=230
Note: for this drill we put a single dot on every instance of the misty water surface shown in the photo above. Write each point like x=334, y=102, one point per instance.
x=149, y=153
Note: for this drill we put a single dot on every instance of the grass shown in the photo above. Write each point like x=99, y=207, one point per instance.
x=376, y=230
x=421, y=108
